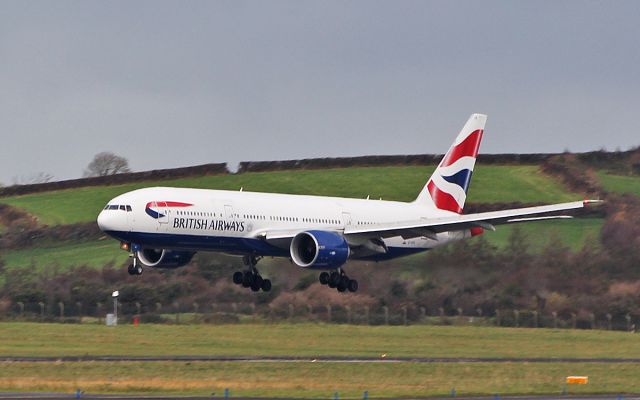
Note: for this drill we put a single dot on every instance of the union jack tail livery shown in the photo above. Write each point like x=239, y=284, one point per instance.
x=447, y=187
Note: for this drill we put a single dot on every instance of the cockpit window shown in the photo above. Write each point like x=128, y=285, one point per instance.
x=126, y=208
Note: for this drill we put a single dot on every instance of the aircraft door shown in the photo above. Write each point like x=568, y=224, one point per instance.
x=163, y=215
x=230, y=218
x=347, y=220
x=228, y=212
x=131, y=219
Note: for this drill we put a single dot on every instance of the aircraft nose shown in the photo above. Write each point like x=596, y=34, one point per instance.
x=103, y=221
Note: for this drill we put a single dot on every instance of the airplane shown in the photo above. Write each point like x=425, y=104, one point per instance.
x=163, y=227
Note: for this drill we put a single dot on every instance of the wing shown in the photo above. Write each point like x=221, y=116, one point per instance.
x=429, y=227
x=486, y=220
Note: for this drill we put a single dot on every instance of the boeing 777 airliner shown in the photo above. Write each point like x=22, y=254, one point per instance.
x=164, y=227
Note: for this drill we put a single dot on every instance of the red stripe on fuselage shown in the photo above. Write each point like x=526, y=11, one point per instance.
x=167, y=204
x=443, y=200
x=467, y=148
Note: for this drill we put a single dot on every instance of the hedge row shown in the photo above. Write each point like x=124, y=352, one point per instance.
x=372, y=161
x=132, y=177
x=594, y=158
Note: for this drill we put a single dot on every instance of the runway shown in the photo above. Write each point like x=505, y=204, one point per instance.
x=320, y=359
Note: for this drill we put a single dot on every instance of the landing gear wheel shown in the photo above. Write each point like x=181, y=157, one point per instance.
x=132, y=270
x=343, y=284
x=247, y=279
x=138, y=270
x=334, y=279
x=251, y=277
x=339, y=280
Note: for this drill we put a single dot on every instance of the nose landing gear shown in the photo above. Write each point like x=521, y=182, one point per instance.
x=251, y=278
x=134, y=268
x=339, y=280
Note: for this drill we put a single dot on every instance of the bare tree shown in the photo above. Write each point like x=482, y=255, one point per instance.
x=40, y=177
x=107, y=163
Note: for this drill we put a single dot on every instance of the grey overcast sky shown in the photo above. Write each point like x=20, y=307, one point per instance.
x=178, y=83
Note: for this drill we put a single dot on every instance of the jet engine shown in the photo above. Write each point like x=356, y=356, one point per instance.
x=319, y=250
x=160, y=258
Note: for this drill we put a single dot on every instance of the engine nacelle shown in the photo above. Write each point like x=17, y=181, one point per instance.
x=160, y=258
x=319, y=250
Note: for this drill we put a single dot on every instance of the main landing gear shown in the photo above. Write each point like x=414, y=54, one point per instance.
x=251, y=278
x=339, y=280
x=134, y=268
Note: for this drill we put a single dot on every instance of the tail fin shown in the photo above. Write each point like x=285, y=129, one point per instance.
x=447, y=187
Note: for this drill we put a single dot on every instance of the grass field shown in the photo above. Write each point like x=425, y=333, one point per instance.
x=314, y=379
x=490, y=184
x=619, y=183
x=31, y=339
x=317, y=380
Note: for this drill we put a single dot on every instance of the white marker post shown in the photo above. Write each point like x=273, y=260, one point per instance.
x=115, y=306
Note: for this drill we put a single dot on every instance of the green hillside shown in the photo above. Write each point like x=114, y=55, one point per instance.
x=619, y=183
x=574, y=233
x=490, y=184
x=94, y=253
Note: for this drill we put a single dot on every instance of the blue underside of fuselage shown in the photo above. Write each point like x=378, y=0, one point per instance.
x=232, y=245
